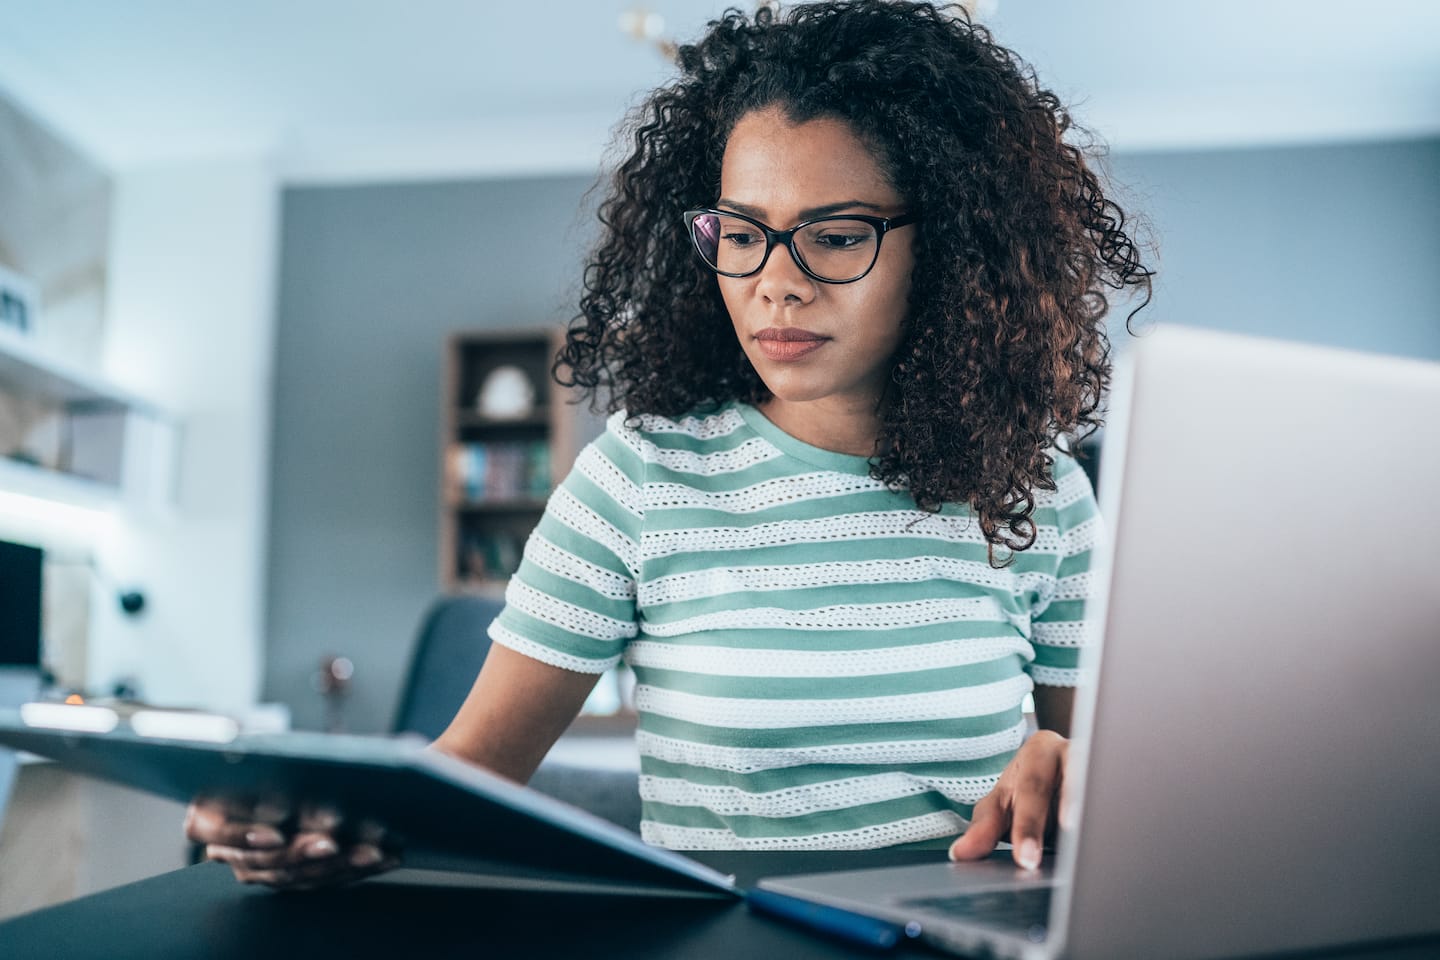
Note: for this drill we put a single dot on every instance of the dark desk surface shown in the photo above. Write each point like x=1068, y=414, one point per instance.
x=202, y=912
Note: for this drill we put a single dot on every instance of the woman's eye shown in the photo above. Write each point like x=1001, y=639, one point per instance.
x=841, y=241
x=740, y=238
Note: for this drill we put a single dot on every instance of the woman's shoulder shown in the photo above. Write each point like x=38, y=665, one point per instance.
x=1072, y=483
x=686, y=444
x=698, y=426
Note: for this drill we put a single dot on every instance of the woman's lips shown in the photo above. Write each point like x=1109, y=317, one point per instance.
x=788, y=343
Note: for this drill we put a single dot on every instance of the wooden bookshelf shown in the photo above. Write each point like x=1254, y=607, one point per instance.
x=497, y=472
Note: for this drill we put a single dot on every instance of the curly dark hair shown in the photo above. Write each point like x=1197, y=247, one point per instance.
x=1004, y=348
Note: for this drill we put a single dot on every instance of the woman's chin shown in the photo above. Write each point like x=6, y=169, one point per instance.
x=790, y=393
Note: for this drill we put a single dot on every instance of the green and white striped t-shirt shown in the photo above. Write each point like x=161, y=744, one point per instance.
x=819, y=664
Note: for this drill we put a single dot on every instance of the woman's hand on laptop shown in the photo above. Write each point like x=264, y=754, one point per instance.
x=266, y=844
x=1024, y=805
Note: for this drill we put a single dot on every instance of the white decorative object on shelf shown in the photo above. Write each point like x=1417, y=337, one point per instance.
x=507, y=394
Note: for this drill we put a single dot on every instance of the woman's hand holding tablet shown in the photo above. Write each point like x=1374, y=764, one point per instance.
x=271, y=844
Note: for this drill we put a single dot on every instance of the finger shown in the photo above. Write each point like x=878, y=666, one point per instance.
x=339, y=869
x=192, y=814
x=335, y=880
x=1067, y=812
x=319, y=819
x=272, y=810
x=249, y=859
x=202, y=819
x=1036, y=784
x=988, y=822
x=208, y=803
x=205, y=822
x=313, y=845
x=314, y=876
x=364, y=855
x=291, y=871
x=206, y=825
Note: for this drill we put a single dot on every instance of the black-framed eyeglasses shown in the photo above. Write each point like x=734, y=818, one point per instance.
x=836, y=249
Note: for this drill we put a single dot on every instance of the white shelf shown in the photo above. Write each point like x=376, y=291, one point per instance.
x=112, y=433
x=27, y=370
x=33, y=481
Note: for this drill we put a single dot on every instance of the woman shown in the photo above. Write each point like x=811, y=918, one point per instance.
x=848, y=303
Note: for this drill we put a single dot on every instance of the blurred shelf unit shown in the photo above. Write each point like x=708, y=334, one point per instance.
x=506, y=438
x=69, y=436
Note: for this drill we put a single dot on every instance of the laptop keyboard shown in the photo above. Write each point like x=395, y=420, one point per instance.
x=1025, y=910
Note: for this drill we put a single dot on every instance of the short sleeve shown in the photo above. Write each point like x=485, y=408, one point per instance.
x=571, y=604
x=1059, y=628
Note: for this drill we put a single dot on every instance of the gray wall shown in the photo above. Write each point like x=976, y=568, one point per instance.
x=371, y=281
x=1335, y=245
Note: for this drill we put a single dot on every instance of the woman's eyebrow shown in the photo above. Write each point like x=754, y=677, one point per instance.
x=807, y=214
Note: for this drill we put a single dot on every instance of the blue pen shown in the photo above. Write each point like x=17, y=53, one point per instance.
x=854, y=927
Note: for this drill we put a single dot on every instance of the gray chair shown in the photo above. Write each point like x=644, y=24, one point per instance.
x=449, y=652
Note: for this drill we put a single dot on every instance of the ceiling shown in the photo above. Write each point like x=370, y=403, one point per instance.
x=344, y=90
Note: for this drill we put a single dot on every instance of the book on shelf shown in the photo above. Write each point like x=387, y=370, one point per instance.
x=495, y=472
x=489, y=556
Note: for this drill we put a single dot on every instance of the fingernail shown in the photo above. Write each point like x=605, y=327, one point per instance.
x=324, y=847
x=366, y=855
x=1029, y=857
x=263, y=836
x=952, y=852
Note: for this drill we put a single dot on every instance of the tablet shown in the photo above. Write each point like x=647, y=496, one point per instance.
x=445, y=813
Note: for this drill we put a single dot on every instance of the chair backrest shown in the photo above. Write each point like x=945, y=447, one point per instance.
x=448, y=654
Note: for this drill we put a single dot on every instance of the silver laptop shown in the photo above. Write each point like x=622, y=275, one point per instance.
x=1258, y=755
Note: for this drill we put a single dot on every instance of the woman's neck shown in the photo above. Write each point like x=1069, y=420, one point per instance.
x=835, y=424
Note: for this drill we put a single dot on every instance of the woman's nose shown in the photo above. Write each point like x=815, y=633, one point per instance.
x=782, y=281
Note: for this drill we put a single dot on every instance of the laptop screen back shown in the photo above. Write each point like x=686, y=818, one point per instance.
x=1264, y=750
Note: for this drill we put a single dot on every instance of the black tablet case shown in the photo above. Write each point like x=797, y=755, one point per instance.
x=445, y=813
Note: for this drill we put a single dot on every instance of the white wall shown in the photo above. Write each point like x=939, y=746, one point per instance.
x=189, y=325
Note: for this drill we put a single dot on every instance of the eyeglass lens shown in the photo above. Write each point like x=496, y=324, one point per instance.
x=831, y=249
